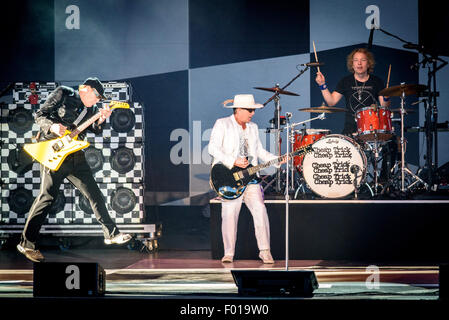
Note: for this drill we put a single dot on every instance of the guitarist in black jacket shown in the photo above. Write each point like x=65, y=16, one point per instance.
x=64, y=109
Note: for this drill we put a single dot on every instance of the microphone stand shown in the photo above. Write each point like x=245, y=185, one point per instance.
x=287, y=196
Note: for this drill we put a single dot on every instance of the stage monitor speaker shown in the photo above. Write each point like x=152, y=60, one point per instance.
x=297, y=283
x=443, y=282
x=65, y=279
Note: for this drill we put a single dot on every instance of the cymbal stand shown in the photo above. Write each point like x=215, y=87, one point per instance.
x=404, y=168
x=430, y=59
x=277, y=117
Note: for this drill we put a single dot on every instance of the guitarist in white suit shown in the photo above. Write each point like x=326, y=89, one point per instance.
x=234, y=141
x=64, y=109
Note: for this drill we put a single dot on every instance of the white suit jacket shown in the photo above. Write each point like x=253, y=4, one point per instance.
x=224, y=143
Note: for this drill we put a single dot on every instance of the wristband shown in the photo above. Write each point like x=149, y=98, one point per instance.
x=386, y=99
x=323, y=87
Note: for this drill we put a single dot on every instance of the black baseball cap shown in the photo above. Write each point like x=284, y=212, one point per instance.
x=95, y=83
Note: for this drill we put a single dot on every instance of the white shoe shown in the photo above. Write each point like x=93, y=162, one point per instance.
x=227, y=259
x=121, y=238
x=266, y=257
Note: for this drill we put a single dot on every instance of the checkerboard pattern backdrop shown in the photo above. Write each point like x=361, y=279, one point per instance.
x=116, y=158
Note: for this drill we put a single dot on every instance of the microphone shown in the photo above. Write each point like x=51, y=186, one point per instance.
x=354, y=169
x=313, y=64
x=322, y=116
x=413, y=46
x=371, y=33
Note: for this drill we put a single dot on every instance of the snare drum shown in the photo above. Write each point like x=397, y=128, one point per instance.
x=331, y=168
x=374, y=124
x=301, y=140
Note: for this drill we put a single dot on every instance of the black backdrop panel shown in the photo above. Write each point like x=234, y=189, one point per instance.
x=234, y=31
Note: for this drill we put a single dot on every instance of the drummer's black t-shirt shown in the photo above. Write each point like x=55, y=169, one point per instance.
x=358, y=95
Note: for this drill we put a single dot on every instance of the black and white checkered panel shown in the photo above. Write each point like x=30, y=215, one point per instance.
x=116, y=156
x=22, y=91
x=17, y=129
x=124, y=201
x=116, y=160
x=124, y=126
x=112, y=91
x=118, y=91
x=18, y=196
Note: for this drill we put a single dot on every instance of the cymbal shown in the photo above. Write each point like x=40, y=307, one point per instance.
x=408, y=89
x=406, y=110
x=278, y=90
x=324, y=109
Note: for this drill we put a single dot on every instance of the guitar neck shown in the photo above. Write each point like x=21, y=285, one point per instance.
x=84, y=125
x=262, y=166
x=95, y=117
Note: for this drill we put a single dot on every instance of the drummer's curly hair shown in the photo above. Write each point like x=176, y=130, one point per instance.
x=369, y=56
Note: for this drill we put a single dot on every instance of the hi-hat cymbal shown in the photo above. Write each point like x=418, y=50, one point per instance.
x=408, y=90
x=277, y=90
x=324, y=109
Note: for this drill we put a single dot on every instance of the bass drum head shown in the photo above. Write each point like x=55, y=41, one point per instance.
x=327, y=169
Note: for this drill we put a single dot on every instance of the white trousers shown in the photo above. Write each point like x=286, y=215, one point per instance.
x=230, y=211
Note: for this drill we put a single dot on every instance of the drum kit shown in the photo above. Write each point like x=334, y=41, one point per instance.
x=340, y=166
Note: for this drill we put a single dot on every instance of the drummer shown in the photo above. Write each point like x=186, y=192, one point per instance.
x=360, y=88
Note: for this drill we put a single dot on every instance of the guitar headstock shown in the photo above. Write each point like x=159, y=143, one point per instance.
x=303, y=150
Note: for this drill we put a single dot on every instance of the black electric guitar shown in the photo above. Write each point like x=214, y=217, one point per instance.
x=230, y=184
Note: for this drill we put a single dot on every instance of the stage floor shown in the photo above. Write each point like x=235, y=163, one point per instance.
x=194, y=274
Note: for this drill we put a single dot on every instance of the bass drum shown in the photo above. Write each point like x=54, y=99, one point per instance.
x=329, y=170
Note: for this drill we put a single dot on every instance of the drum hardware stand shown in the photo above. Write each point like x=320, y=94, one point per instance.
x=432, y=59
x=404, y=168
x=277, y=113
x=301, y=179
x=376, y=149
x=354, y=170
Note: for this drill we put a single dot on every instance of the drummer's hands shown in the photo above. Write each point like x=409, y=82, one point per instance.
x=320, y=80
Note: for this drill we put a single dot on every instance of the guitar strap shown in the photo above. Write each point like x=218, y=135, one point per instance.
x=80, y=117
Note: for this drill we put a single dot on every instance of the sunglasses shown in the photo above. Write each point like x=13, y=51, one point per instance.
x=94, y=91
x=97, y=94
x=249, y=110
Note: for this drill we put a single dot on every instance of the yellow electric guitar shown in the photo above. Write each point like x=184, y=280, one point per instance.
x=52, y=153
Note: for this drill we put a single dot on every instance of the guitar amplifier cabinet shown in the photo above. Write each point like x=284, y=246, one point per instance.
x=116, y=158
x=22, y=91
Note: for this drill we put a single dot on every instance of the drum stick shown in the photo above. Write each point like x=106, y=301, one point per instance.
x=388, y=78
x=316, y=57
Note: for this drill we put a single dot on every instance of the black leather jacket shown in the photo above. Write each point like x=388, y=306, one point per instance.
x=63, y=106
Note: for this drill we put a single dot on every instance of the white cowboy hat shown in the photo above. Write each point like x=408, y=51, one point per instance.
x=245, y=101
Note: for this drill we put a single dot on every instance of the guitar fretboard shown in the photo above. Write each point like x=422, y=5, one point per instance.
x=259, y=167
x=84, y=125
x=87, y=123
